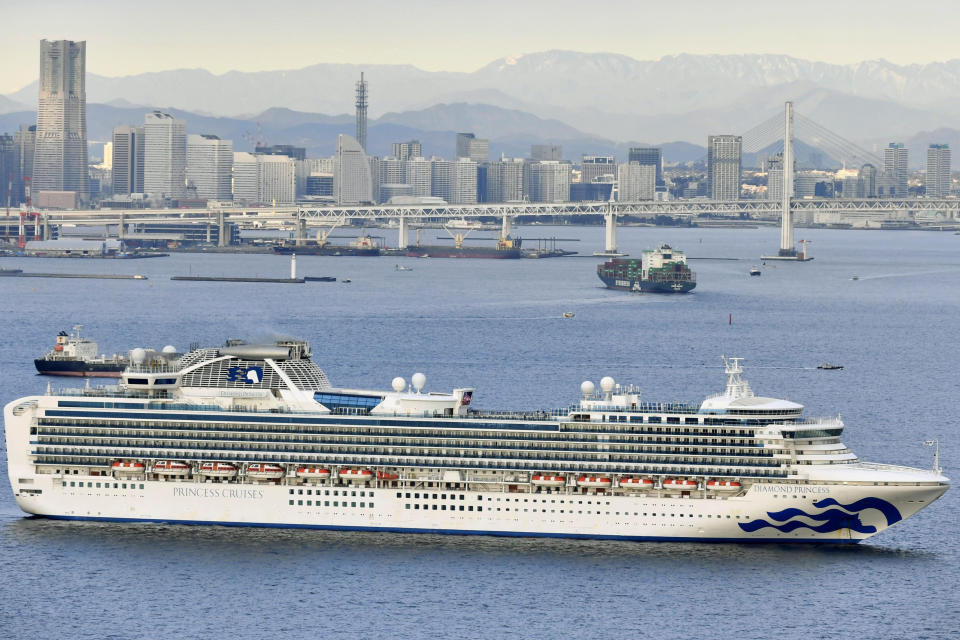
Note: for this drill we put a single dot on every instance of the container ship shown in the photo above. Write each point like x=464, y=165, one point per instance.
x=507, y=248
x=73, y=355
x=660, y=270
x=256, y=435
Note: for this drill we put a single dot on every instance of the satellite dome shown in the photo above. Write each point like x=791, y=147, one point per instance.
x=587, y=388
x=607, y=384
x=138, y=355
x=398, y=384
x=418, y=380
x=169, y=349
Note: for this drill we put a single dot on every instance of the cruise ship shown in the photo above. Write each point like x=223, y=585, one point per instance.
x=256, y=435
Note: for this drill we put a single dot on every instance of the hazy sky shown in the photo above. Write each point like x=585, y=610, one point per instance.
x=127, y=37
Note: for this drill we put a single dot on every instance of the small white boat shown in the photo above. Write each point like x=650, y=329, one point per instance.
x=548, y=481
x=567, y=314
x=400, y=267
x=755, y=271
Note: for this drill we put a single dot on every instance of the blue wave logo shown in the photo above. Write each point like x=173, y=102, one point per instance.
x=846, y=516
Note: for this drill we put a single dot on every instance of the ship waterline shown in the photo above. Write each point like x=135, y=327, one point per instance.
x=256, y=435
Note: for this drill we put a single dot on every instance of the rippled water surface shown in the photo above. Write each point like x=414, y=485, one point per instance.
x=496, y=325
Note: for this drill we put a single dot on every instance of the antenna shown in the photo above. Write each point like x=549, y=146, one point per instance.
x=361, y=106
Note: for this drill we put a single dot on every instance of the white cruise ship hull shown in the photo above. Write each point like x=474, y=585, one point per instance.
x=485, y=512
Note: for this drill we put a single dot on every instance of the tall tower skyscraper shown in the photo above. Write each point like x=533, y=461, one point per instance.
x=352, y=182
x=648, y=156
x=470, y=146
x=938, y=171
x=165, y=155
x=361, y=105
x=128, y=160
x=60, y=159
x=895, y=158
x=407, y=150
x=24, y=143
x=210, y=166
x=723, y=167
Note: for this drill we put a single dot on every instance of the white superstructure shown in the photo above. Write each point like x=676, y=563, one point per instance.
x=256, y=435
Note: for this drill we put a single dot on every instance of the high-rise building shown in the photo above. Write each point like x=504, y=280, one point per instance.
x=210, y=166
x=246, y=177
x=636, y=182
x=548, y=181
x=895, y=158
x=505, y=180
x=464, y=182
x=775, y=178
x=938, y=171
x=417, y=174
x=723, y=167
x=165, y=155
x=60, y=158
x=441, y=178
x=297, y=153
x=407, y=150
x=648, y=156
x=128, y=159
x=24, y=143
x=276, y=179
x=868, y=180
x=361, y=108
x=548, y=152
x=594, y=168
x=8, y=168
x=470, y=146
x=352, y=183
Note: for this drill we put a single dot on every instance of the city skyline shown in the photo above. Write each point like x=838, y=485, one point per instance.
x=285, y=43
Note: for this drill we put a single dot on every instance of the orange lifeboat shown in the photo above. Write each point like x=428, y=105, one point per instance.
x=723, y=485
x=680, y=484
x=358, y=476
x=218, y=469
x=543, y=480
x=171, y=468
x=384, y=475
x=636, y=483
x=594, y=482
x=128, y=467
x=265, y=470
x=313, y=473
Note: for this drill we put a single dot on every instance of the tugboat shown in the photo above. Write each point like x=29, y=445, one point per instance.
x=76, y=356
x=660, y=270
x=755, y=271
x=829, y=367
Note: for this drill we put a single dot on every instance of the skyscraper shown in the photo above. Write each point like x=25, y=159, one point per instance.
x=407, y=150
x=210, y=166
x=895, y=158
x=128, y=158
x=775, y=178
x=246, y=177
x=277, y=179
x=505, y=180
x=470, y=146
x=8, y=162
x=352, y=183
x=361, y=107
x=868, y=180
x=165, y=155
x=723, y=167
x=60, y=159
x=938, y=171
x=648, y=156
x=594, y=167
x=637, y=181
x=464, y=182
x=417, y=174
x=548, y=181
x=24, y=145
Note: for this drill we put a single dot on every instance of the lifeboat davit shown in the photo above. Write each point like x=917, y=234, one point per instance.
x=385, y=475
x=636, y=483
x=356, y=475
x=595, y=482
x=680, y=484
x=128, y=467
x=171, y=468
x=265, y=470
x=723, y=485
x=315, y=473
x=218, y=469
x=548, y=480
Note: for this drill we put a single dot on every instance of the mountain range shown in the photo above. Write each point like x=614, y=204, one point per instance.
x=590, y=102
x=683, y=97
